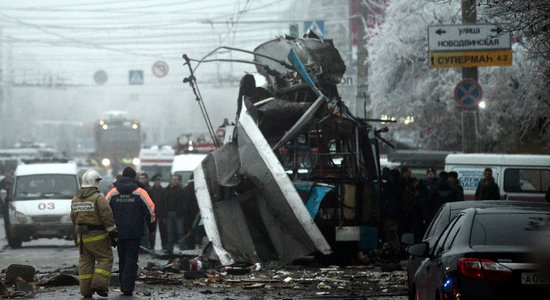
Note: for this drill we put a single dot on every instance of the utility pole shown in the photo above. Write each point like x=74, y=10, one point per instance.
x=470, y=137
x=362, y=101
x=2, y=87
x=9, y=132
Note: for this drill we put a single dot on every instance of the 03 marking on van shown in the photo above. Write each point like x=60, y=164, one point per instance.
x=43, y=206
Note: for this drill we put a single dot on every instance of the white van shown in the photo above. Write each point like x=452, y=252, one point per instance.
x=156, y=160
x=519, y=176
x=39, y=203
x=185, y=164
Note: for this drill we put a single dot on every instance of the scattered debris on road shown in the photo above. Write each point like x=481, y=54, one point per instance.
x=182, y=273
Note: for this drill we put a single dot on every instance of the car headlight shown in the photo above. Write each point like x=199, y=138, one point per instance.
x=106, y=162
x=136, y=161
x=20, y=218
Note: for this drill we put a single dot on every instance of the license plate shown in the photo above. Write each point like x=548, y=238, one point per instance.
x=46, y=232
x=534, y=278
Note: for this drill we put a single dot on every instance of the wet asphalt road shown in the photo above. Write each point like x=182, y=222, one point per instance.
x=49, y=256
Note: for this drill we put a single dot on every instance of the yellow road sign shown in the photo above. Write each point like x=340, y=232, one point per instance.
x=462, y=59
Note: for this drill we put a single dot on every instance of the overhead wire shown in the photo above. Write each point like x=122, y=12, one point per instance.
x=164, y=45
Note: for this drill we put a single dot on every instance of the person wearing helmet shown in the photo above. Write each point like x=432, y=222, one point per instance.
x=96, y=232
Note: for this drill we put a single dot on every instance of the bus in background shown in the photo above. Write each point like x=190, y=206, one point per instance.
x=194, y=143
x=418, y=160
x=519, y=176
x=156, y=160
x=117, y=142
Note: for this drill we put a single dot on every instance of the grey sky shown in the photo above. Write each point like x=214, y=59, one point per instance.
x=72, y=39
x=52, y=48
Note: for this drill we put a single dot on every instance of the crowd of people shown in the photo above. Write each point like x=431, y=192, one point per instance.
x=408, y=204
x=177, y=214
x=127, y=217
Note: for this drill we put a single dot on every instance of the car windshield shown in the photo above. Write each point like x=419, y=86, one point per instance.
x=164, y=171
x=185, y=175
x=510, y=229
x=52, y=186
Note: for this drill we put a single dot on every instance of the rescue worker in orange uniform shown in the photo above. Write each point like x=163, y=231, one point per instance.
x=96, y=232
x=132, y=208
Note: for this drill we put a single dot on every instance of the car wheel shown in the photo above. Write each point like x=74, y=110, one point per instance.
x=14, y=242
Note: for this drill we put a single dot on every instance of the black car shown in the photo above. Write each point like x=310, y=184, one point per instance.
x=484, y=253
x=445, y=214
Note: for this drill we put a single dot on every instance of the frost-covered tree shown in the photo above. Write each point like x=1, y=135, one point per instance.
x=528, y=19
x=401, y=84
x=529, y=22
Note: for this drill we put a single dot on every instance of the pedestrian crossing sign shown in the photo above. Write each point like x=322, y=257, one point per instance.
x=317, y=26
x=135, y=77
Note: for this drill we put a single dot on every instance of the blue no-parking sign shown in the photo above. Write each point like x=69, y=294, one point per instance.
x=468, y=93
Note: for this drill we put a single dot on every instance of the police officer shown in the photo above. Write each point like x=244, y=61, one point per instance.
x=95, y=227
x=132, y=208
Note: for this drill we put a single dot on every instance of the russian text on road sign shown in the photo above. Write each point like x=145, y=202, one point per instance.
x=317, y=26
x=468, y=93
x=135, y=77
x=467, y=37
x=160, y=69
x=442, y=59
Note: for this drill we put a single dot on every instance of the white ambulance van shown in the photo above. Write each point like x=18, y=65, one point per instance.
x=39, y=203
x=519, y=176
x=156, y=160
x=185, y=164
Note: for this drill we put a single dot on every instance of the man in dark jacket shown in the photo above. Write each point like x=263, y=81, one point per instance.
x=132, y=208
x=390, y=208
x=426, y=201
x=156, y=192
x=487, y=188
x=192, y=215
x=444, y=192
x=143, y=182
x=174, y=205
x=455, y=183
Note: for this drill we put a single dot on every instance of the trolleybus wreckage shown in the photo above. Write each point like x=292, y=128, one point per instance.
x=298, y=174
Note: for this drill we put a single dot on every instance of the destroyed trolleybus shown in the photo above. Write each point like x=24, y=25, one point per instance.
x=301, y=173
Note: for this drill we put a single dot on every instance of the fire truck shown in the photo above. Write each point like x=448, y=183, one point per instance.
x=117, y=142
x=194, y=143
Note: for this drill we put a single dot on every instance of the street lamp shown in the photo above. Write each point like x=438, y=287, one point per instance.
x=482, y=104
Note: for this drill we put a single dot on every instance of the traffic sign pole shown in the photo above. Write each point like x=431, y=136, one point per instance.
x=470, y=138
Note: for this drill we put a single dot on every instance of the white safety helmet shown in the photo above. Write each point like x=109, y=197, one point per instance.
x=91, y=178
